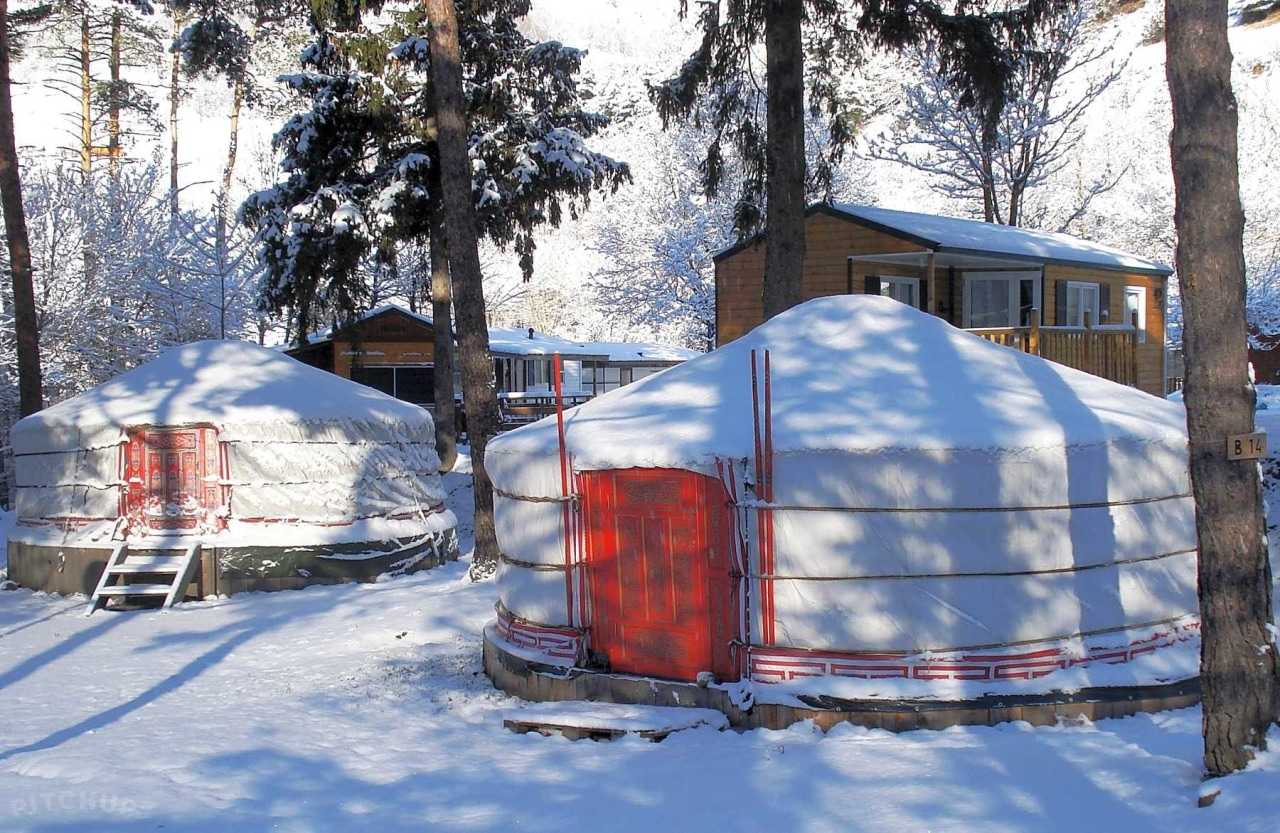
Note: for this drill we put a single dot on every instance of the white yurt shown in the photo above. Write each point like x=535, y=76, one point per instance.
x=284, y=475
x=894, y=511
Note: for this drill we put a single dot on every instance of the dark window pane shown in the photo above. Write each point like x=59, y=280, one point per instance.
x=415, y=384
x=379, y=378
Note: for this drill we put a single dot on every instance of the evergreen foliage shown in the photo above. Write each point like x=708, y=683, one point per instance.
x=359, y=164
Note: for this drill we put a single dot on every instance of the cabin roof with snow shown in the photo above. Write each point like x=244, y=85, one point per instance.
x=516, y=342
x=958, y=236
x=414, y=323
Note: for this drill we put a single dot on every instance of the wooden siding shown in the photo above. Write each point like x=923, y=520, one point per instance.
x=1150, y=359
x=830, y=241
x=375, y=353
x=828, y=244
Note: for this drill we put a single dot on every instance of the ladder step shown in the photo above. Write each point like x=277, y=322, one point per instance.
x=135, y=590
x=144, y=564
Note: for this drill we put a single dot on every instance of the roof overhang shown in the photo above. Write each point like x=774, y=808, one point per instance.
x=936, y=247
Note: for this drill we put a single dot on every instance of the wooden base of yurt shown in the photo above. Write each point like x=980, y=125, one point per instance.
x=230, y=570
x=535, y=681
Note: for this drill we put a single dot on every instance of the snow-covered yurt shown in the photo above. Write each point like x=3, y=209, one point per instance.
x=890, y=520
x=278, y=474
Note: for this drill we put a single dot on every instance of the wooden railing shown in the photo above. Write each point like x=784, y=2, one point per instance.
x=1109, y=352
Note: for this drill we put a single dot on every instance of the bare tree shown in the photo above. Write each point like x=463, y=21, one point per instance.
x=1238, y=666
x=998, y=163
x=15, y=226
x=478, y=396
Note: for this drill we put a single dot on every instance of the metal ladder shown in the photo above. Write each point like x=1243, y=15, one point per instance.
x=179, y=567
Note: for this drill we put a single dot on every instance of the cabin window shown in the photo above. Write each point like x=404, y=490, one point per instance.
x=904, y=290
x=1081, y=298
x=604, y=378
x=1135, y=300
x=1000, y=299
x=409, y=383
x=537, y=374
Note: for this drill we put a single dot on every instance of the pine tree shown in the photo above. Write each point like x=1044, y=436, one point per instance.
x=363, y=165
x=479, y=399
x=1240, y=689
x=809, y=46
x=225, y=39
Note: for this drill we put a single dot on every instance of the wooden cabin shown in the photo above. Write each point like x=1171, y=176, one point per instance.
x=392, y=349
x=388, y=348
x=1079, y=303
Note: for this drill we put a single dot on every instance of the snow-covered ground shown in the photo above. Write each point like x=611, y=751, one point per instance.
x=363, y=707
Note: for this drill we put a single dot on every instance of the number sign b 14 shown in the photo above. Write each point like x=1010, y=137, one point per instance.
x=1246, y=446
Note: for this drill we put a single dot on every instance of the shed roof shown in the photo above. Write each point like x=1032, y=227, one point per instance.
x=940, y=233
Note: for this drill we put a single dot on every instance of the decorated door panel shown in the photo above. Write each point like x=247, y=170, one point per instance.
x=658, y=573
x=173, y=477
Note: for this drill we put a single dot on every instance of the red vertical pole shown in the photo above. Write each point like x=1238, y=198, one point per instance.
x=767, y=537
x=556, y=372
x=762, y=515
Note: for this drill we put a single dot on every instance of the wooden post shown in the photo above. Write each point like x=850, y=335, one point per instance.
x=1085, y=353
x=932, y=290
x=1033, y=333
x=1133, y=349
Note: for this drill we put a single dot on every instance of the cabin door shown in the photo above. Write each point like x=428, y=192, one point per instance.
x=663, y=602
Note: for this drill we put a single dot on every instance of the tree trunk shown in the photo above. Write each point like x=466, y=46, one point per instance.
x=784, y=221
x=228, y=173
x=113, y=102
x=441, y=315
x=30, y=397
x=479, y=399
x=86, y=99
x=89, y=255
x=175, y=97
x=1238, y=671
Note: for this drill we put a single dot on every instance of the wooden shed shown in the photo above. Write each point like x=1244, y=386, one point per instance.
x=1079, y=303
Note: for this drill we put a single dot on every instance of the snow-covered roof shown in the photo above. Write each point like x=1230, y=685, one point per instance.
x=218, y=382
x=851, y=373
x=638, y=352
x=519, y=343
x=327, y=333
x=960, y=236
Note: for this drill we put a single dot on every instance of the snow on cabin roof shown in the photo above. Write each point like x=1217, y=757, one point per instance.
x=639, y=352
x=514, y=342
x=973, y=236
x=218, y=382
x=327, y=333
x=850, y=373
x=518, y=342
x=954, y=234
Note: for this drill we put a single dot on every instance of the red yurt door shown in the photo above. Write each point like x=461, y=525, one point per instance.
x=663, y=601
x=173, y=476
